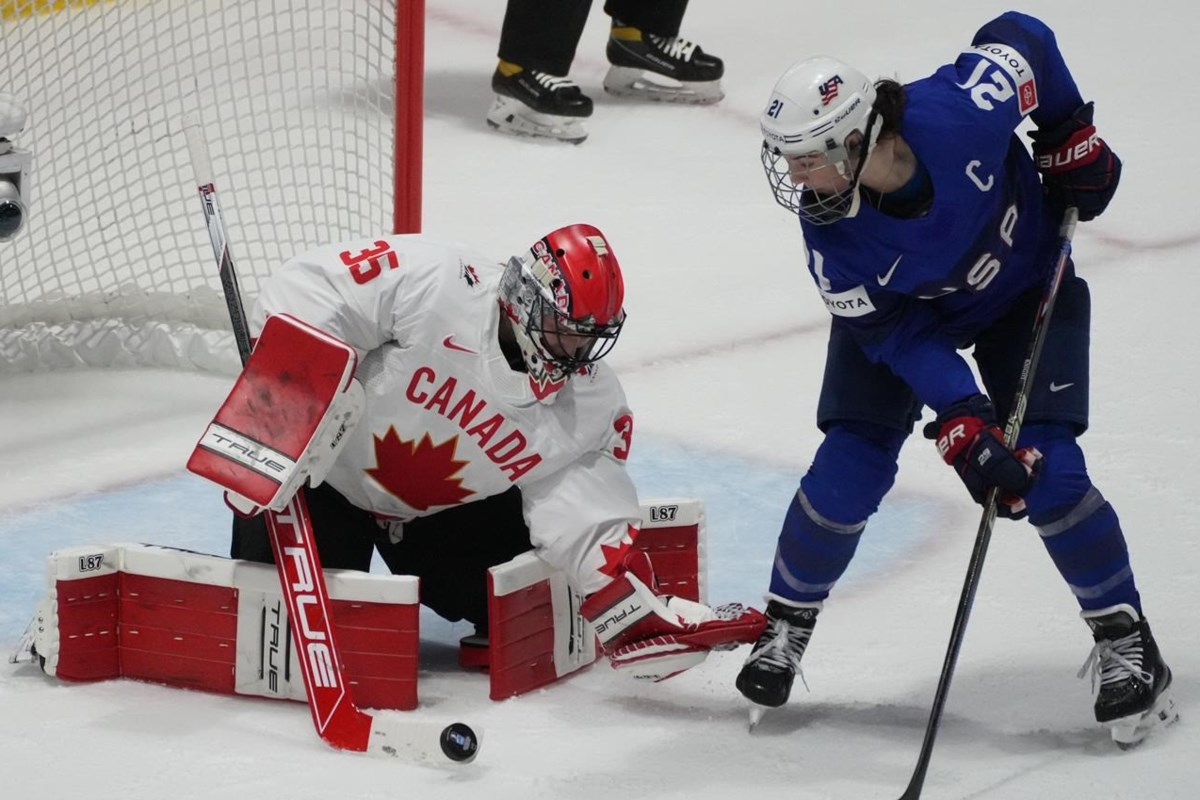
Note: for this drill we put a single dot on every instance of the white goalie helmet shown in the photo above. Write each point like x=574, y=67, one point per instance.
x=820, y=108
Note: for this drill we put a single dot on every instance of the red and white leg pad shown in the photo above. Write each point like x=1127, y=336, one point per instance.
x=202, y=622
x=538, y=634
x=535, y=633
x=674, y=535
x=199, y=621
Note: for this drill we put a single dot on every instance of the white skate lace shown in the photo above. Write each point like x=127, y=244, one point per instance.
x=674, y=46
x=552, y=82
x=1113, y=660
x=783, y=650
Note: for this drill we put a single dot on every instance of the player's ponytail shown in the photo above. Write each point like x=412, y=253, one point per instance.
x=889, y=105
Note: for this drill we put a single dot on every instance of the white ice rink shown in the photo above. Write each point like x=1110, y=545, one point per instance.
x=721, y=360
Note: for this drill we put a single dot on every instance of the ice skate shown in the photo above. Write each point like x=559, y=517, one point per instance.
x=473, y=651
x=533, y=103
x=770, y=669
x=665, y=68
x=1134, y=683
x=25, y=650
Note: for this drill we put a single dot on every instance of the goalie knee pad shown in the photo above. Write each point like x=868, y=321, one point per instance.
x=539, y=632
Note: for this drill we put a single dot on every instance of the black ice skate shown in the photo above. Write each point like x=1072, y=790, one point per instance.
x=1134, y=694
x=533, y=103
x=766, y=677
x=664, y=68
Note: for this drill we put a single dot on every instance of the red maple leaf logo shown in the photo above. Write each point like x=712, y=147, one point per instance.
x=420, y=474
x=614, y=556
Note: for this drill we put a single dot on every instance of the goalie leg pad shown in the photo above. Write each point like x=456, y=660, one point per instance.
x=216, y=624
x=75, y=627
x=537, y=633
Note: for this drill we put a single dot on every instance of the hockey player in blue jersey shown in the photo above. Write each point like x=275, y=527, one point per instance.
x=928, y=227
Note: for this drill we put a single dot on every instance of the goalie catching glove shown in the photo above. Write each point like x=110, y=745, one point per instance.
x=970, y=441
x=655, y=637
x=285, y=420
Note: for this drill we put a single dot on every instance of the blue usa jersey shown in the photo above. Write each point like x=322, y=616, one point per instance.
x=912, y=291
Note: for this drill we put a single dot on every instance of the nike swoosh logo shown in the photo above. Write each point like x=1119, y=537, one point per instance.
x=1058, y=387
x=450, y=344
x=884, y=279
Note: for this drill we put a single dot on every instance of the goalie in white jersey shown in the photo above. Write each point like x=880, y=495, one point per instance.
x=489, y=426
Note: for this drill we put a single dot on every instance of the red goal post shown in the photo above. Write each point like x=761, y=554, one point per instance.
x=314, y=113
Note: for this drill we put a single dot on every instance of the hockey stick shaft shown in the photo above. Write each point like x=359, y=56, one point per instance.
x=215, y=222
x=300, y=574
x=336, y=718
x=1012, y=430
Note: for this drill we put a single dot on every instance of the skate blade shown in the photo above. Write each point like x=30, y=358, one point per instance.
x=756, y=715
x=647, y=85
x=517, y=119
x=24, y=651
x=1129, y=732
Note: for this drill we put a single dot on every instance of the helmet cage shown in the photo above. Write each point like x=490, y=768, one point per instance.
x=570, y=344
x=820, y=208
x=824, y=109
x=553, y=343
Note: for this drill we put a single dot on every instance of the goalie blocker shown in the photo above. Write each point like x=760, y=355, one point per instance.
x=204, y=622
x=291, y=408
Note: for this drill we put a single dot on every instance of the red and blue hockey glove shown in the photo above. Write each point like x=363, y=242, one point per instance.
x=1078, y=167
x=970, y=441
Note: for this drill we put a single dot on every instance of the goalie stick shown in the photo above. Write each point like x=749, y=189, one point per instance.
x=337, y=719
x=1012, y=429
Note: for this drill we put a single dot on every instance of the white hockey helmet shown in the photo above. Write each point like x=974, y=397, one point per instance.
x=816, y=108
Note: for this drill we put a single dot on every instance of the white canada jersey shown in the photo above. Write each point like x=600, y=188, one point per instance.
x=447, y=420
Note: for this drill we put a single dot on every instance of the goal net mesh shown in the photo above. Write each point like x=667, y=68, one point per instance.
x=114, y=267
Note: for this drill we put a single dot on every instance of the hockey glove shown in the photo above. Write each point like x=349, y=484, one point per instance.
x=970, y=441
x=1078, y=168
x=655, y=637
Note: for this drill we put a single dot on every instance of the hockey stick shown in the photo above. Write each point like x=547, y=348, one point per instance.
x=975, y=567
x=337, y=719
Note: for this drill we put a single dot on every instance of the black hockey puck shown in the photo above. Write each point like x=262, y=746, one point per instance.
x=459, y=742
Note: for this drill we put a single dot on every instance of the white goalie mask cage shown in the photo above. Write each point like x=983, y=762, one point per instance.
x=815, y=107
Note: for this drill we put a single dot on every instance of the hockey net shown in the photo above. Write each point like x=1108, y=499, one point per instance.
x=114, y=267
